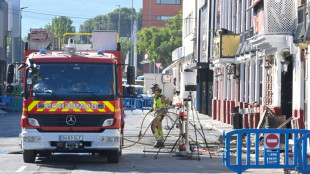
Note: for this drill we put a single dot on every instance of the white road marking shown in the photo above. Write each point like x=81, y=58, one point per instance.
x=21, y=169
x=272, y=141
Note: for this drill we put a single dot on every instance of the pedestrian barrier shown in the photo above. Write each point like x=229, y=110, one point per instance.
x=274, y=142
x=137, y=103
x=11, y=103
x=304, y=166
x=144, y=103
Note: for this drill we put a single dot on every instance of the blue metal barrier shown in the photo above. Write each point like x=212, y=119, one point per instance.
x=137, y=103
x=145, y=103
x=303, y=166
x=11, y=103
x=271, y=155
x=129, y=104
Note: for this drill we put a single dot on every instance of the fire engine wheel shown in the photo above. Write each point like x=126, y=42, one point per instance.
x=113, y=156
x=29, y=156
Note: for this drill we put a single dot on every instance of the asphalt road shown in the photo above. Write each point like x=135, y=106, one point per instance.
x=133, y=160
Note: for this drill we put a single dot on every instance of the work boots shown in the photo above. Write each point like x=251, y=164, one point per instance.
x=159, y=144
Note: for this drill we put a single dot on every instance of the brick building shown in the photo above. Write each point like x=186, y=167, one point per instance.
x=155, y=13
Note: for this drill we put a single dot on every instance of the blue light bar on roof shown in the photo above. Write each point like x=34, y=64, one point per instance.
x=42, y=51
x=101, y=52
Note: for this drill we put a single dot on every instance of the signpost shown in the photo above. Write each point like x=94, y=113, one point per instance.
x=158, y=65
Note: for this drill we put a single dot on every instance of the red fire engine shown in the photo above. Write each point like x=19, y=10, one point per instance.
x=72, y=99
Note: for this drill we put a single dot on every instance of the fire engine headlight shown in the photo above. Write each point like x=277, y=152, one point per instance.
x=33, y=122
x=32, y=139
x=108, y=122
x=112, y=139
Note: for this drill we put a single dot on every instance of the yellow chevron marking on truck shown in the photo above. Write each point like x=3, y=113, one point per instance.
x=100, y=110
x=87, y=109
x=109, y=105
x=42, y=109
x=65, y=110
x=32, y=105
x=53, y=109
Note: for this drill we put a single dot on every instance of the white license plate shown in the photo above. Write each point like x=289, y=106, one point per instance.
x=70, y=138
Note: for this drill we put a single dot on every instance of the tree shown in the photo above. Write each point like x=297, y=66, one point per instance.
x=159, y=42
x=125, y=47
x=61, y=25
x=110, y=22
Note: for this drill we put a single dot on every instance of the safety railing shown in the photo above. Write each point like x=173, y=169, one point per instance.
x=144, y=103
x=304, y=166
x=11, y=103
x=273, y=143
x=137, y=103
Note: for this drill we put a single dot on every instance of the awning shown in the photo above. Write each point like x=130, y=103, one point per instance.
x=171, y=66
x=255, y=3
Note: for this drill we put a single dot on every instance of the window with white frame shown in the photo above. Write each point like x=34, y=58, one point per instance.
x=172, y=2
x=189, y=25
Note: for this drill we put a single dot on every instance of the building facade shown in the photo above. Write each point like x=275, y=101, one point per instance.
x=3, y=40
x=254, y=52
x=155, y=13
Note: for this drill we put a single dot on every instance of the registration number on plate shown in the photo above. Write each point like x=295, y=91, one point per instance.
x=70, y=138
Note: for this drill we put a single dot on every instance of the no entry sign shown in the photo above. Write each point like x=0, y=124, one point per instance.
x=272, y=141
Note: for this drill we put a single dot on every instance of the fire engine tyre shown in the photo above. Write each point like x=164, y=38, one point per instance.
x=29, y=156
x=113, y=156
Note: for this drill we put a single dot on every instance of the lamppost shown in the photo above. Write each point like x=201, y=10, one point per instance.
x=20, y=41
x=119, y=20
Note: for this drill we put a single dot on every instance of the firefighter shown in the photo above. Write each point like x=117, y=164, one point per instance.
x=159, y=104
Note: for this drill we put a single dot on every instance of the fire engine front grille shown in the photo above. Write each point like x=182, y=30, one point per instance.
x=70, y=120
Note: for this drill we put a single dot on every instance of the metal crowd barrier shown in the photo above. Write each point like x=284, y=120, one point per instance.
x=275, y=145
x=11, y=103
x=137, y=103
x=304, y=166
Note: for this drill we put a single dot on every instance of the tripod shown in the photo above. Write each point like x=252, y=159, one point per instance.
x=186, y=133
x=195, y=114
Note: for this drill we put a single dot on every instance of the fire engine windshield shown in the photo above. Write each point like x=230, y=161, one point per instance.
x=71, y=81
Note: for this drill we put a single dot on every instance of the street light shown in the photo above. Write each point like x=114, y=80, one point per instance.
x=119, y=20
x=20, y=41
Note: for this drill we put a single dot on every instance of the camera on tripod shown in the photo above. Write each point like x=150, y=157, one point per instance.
x=190, y=87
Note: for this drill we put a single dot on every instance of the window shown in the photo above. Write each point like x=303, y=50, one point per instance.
x=189, y=25
x=173, y=2
x=163, y=18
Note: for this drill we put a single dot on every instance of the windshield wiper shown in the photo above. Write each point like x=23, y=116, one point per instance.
x=47, y=92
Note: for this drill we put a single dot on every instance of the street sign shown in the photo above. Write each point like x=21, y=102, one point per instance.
x=272, y=141
x=158, y=65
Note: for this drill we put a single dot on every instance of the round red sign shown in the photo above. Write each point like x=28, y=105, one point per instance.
x=272, y=141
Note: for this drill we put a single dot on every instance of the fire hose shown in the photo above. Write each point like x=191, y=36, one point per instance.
x=142, y=135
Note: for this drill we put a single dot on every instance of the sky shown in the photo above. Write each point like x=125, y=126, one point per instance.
x=40, y=12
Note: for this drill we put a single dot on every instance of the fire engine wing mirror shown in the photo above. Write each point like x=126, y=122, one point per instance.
x=131, y=75
x=10, y=74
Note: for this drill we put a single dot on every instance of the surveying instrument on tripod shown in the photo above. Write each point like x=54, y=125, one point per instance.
x=185, y=148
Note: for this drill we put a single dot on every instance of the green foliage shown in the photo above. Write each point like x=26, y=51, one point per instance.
x=110, y=22
x=61, y=25
x=125, y=47
x=160, y=42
